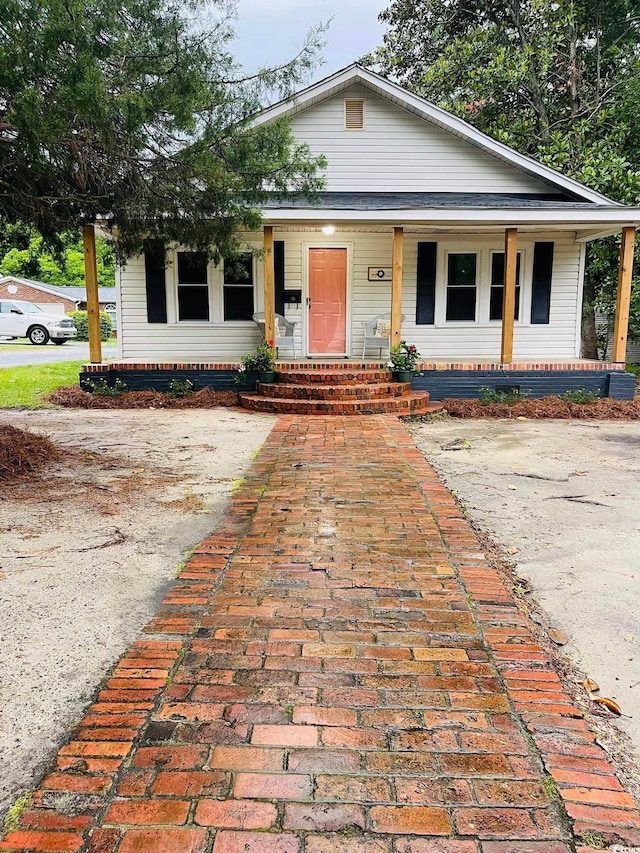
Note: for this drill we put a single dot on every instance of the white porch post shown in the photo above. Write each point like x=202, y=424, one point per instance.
x=509, y=300
x=396, y=287
x=623, y=301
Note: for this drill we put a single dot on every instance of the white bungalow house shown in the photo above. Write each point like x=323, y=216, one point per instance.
x=422, y=218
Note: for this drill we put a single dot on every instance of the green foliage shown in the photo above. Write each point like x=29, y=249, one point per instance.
x=581, y=397
x=134, y=111
x=404, y=356
x=557, y=81
x=24, y=253
x=487, y=396
x=594, y=840
x=103, y=389
x=27, y=386
x=81, y=320
x=261, y=360
x=180, y=388
x=12, y=818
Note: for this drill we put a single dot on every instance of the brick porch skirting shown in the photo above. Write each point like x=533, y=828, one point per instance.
x=440, y=379
x=338, y=669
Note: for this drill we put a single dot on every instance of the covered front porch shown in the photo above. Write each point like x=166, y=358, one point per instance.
x=490, y=293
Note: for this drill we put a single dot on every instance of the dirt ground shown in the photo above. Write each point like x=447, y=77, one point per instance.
x=89, y=547
x=562, y=498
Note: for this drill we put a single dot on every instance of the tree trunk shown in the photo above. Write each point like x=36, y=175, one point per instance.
x=589, y=339
x=534, y=86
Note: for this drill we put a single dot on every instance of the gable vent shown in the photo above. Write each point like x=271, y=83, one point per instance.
x=354, y=114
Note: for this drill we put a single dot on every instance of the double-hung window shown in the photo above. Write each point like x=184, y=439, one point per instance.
x=462, y=274
x=497, y=286
x=193, y=286
x=238, y=288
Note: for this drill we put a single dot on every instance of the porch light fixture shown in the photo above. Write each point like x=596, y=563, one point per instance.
x=328, y=229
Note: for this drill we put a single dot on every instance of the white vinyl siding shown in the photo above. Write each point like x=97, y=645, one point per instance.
x=399, y=152
x=219, y=341
x=184, y=340
x=482, y=339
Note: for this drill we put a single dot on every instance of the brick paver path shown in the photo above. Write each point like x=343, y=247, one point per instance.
x=338, y=670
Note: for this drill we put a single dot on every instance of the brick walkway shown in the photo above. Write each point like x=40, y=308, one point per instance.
x=328, y=676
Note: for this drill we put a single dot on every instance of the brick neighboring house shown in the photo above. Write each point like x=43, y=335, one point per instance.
x=50, y=295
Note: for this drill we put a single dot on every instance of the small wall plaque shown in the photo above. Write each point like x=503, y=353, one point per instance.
x=380, y=274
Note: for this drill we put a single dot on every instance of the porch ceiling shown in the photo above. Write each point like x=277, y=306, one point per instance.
x=591, y=219
x=582, y=233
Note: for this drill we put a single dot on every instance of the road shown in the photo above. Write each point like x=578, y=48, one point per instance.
x=14, y=353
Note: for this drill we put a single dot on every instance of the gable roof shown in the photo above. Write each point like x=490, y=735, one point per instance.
x=357, y=75
x=74, y=294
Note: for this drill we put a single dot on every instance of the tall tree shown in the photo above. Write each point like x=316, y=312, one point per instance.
x=559, y=81
x=23, y=253
x=135, y=112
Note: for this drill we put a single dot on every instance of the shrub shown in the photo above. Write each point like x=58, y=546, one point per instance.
x=180, y=388
x=102, y=388
x=581, y=397
x=80, y=318
x=488, y=396
x=261, y=360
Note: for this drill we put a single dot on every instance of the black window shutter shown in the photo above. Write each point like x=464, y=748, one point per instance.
x=154, y=270
x=426, y=284
x=541, y=290
x=278, y=263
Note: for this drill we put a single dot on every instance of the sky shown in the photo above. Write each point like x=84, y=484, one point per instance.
x=271, y=31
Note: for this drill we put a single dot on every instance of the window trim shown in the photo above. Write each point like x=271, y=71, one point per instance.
x=523, y=277
x=483, y=247
x=223, y=284
x=215, y=283
x=460, y=250
x=176, y=294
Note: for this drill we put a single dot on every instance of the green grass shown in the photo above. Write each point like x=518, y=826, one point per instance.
x=634, y=368
x=27, y=385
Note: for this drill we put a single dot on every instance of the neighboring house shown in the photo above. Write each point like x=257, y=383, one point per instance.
x=53, y=297
x=412, y=220
x=605, y=327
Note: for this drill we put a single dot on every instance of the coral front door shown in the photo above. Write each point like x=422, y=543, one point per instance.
x=328, y=302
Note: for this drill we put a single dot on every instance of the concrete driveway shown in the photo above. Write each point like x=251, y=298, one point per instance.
x=14, y=353
x=562, y=498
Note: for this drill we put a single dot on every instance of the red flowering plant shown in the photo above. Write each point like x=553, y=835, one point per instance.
x=404, y=356
x=262, y=360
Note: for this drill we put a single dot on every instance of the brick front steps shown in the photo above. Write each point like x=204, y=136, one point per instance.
x=338, y=669
x=338, y=392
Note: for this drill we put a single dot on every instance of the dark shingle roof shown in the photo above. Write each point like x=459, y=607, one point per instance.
x=420, y=201
x=77, y=294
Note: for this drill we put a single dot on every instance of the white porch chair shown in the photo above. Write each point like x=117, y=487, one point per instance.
x=285, y=331
x=371, y=338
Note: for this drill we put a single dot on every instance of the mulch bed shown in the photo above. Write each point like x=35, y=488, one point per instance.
x=604, y=409
x=545, y=407
x=21, y=453
x=74, y=397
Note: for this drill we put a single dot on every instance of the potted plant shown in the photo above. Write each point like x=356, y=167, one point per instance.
x=403, y=360
x=261, y=361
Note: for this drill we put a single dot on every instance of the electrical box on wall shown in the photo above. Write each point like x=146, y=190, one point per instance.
x=292, y=297
x=380, y=274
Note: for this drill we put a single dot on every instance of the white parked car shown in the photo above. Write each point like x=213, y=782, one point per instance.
x=20, y=319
